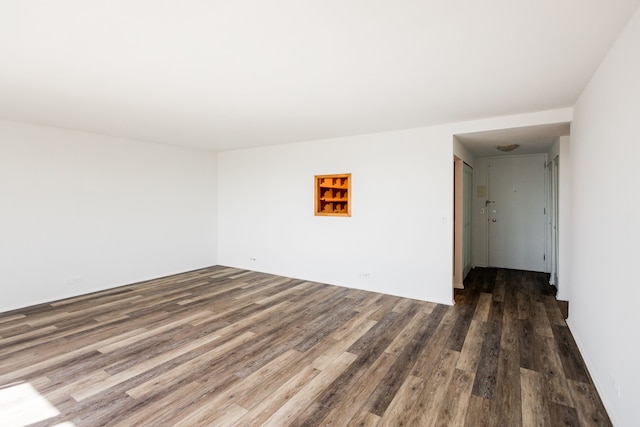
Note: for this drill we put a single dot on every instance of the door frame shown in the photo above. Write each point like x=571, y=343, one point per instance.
x=459, y=201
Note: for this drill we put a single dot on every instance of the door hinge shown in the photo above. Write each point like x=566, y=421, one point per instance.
x=544, y=257
x=544, y=211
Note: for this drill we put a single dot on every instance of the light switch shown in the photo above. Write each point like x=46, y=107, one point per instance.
x=481, y=211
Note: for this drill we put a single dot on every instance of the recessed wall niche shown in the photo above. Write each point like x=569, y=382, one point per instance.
x=333, y=195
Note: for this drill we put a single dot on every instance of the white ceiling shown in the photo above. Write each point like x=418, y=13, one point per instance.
x=226, y=74
x=531, y=139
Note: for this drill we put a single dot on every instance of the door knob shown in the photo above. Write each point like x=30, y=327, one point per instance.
x=493, y=220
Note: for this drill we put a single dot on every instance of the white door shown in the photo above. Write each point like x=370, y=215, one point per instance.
x=516, y=208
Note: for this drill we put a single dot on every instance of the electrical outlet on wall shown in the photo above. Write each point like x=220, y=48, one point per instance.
x=252, y=259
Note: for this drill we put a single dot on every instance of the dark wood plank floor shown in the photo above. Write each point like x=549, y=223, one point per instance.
x=222, y=346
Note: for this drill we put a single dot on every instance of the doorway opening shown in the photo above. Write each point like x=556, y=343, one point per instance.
x=479, y=149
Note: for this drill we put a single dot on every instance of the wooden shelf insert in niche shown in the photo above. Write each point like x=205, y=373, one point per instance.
x=333, y=195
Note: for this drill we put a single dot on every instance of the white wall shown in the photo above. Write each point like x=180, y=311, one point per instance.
x=604, y=315
x=564, y=218
x=399, y=239
x=81, y=212
x=461, y=152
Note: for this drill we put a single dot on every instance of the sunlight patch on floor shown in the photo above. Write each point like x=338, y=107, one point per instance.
x=21, y=404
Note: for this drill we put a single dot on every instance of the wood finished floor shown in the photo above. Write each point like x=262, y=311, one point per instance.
x=222, y=346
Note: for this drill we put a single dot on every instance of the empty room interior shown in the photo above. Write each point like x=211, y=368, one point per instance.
x=330, y=213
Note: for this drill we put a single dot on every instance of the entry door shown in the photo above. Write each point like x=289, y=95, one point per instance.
x=516, y=208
